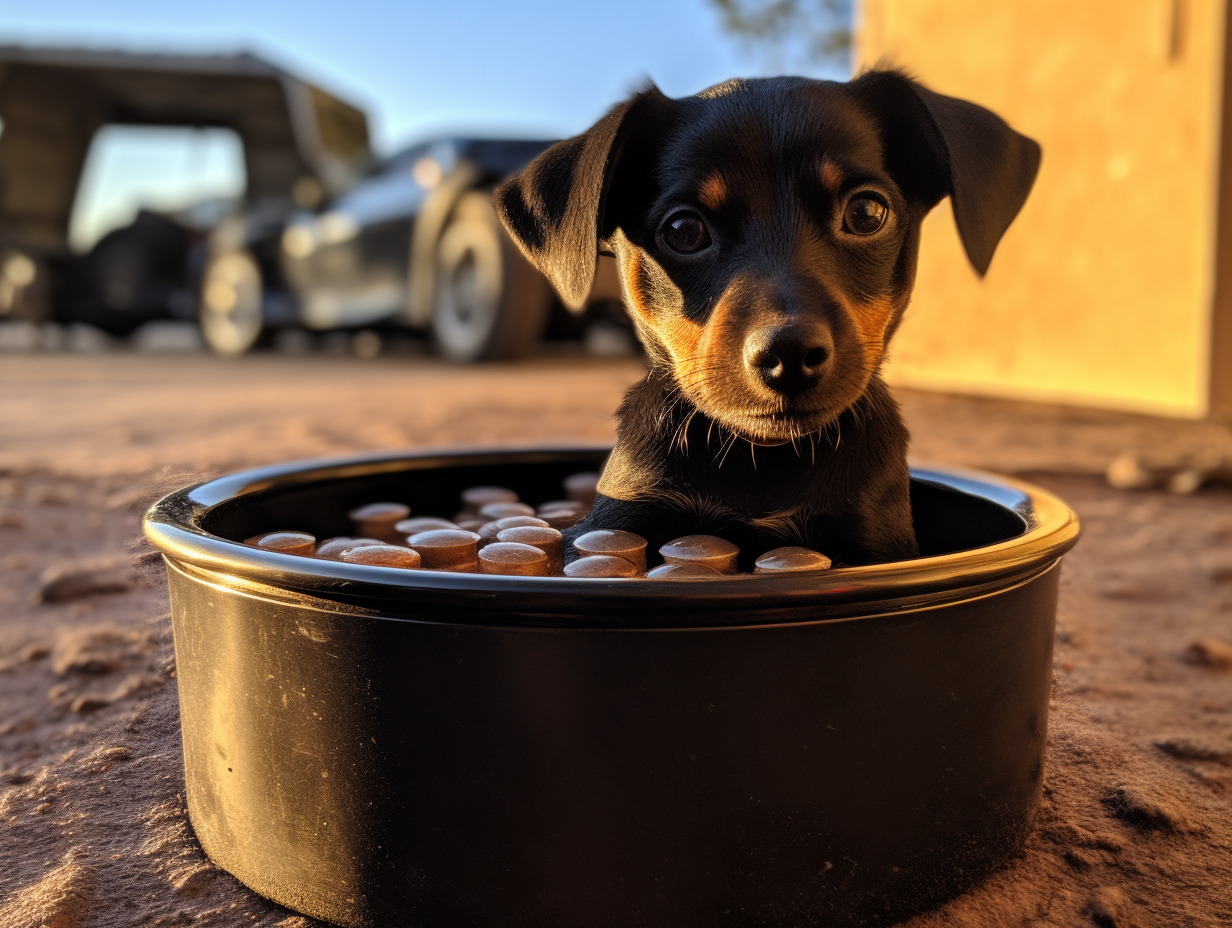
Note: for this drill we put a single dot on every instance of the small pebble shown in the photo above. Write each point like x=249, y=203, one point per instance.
x=377, y=520
x=285, y=542
x=382, y=556
x=476, y=498
x=614, y=543
x=601, y=565
x=494, y=511
x=447, y=549
x=547, y=539
x=422, y=524
x=790, y=560
x=514, y=559
x=709, y=550
x=683, y=572
x=332, y=547
x=1210, y=652
x=583, y=487
x=489, y=530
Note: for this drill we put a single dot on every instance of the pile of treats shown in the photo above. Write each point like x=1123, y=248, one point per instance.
x=496, y=533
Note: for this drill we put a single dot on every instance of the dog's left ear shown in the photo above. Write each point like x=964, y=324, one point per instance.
x=575, y=193
x=937, y=145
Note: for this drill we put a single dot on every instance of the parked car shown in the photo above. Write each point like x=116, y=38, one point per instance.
x=325, y=236
x=416, y=245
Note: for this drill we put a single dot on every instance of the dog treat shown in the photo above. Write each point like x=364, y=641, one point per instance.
x=494, y=511
x=489, y=530
x=582, y=487
x=790, y=560
x=601, y=565
x=332, y=547
x=469, y=523
x=511, y=558
x=377, y=520
x=562, y=513
x=421, y=523
x=284, y=542
x=381, y=556
x=614, y=543
x=447, y=549
x=547, y=539
x=476, y=498
x=683, y=572
x=709, y=550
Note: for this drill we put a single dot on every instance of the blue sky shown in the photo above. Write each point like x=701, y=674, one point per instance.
x=534, y=68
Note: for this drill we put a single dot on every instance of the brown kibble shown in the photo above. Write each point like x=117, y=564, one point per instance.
x=300, y=543
x=562, y=513
x=382, y=556
x=511, y=558
x=377, y=520
x=1210, y=652
x=489, y=530
x=447, y=549
x=614, y=543
x=710, y=550
x=683, y=572
x=333, y=547
x=583, y=487
x=547, y=539
x=494, y=511
x=790, y=560
x=419, y=524
x=598, y=566
x=476, y=498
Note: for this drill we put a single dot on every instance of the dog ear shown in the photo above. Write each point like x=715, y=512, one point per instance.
x=575, y=194
x=938, y=145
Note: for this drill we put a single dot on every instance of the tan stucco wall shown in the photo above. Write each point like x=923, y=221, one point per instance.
x=1100, y=293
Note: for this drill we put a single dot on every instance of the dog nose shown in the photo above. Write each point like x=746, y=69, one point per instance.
x=788, y=359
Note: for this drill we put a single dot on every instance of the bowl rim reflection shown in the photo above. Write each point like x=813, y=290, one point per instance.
x=174, y=526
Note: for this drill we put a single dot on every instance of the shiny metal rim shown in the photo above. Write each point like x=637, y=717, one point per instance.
x=173, y=525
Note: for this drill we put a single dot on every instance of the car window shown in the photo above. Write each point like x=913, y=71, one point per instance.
x=192, y=172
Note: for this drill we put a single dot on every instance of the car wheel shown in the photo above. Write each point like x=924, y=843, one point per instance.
x=231, y=319
x=490, y=302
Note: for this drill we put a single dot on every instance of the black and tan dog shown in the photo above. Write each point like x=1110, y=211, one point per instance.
x=766, y=233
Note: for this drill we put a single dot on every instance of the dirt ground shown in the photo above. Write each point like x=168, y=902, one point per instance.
x=1136, y=828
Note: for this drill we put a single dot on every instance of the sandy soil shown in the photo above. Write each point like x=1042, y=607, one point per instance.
x=1137, y=821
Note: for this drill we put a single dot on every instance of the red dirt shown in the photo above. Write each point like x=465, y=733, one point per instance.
x=1137, y=821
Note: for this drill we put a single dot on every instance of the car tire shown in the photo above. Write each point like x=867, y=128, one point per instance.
x=230, y=306
x=489, y=302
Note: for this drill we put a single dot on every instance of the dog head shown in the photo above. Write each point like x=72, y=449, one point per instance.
x=767, y=230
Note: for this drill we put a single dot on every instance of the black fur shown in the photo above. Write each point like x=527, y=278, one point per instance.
x=714, y=441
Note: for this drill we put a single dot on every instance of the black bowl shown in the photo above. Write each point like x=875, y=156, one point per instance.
x=376, y=746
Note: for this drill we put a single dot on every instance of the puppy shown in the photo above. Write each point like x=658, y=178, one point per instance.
x=766, y=233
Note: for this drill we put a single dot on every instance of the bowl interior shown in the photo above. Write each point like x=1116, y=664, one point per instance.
x=946, y=519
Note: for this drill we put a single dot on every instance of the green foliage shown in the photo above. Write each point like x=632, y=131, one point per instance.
x=792, y=34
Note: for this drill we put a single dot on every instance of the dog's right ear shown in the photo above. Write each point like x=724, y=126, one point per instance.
x=575, y=193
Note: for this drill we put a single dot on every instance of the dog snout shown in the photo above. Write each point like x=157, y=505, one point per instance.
x=789, y=359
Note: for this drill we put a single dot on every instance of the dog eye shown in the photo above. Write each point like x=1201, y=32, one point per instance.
x=685, y=233
x=864, y=215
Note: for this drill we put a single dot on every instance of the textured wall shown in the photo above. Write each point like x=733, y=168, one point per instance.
x=1101, y=291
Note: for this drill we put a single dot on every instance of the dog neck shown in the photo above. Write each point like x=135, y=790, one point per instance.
x=666, y=447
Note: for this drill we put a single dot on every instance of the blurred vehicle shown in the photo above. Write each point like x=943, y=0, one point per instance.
x=53, y=102
x=324, y=237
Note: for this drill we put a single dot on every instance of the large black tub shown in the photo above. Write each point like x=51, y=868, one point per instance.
x=382, y=747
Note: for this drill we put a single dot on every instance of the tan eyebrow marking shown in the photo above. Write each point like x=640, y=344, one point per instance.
x=831, y=175
x=713, y=191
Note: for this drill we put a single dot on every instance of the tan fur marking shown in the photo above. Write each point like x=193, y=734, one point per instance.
x=713, y=192
x=831, y=176
x=871, y=320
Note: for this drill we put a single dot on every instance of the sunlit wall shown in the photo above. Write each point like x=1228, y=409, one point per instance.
x=1101, y=292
